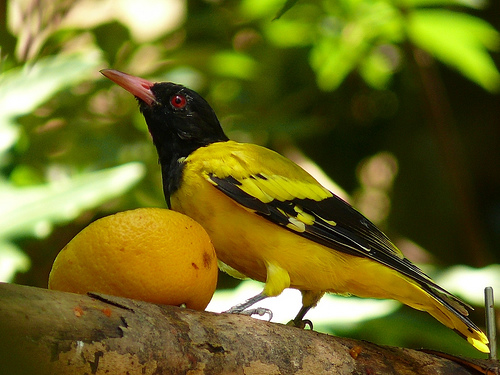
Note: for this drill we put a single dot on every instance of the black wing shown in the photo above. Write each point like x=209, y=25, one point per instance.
x=333, y=223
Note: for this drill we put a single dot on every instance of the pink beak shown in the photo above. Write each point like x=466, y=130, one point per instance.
x=138, y=87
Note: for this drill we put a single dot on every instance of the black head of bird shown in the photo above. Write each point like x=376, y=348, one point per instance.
x=177, y=117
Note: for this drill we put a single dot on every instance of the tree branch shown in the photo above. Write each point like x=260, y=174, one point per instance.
x=50, y=332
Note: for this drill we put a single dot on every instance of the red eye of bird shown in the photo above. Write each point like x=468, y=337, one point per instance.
x=178, y=101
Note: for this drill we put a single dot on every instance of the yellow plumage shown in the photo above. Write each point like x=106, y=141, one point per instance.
x=263, y=251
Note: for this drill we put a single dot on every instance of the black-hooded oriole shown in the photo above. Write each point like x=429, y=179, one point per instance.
x=271, y=221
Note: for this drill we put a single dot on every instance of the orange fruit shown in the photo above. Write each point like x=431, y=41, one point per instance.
x=150, y=254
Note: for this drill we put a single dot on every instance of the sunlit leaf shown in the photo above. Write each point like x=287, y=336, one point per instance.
x=333, y=60
x=32, y=211
x=146, y=20
x=287, y=33
x=12, y=260
x=24, y=89
x=376, y=70
x=233, y=64
x=260, y=8
x=185, y=75
x=348, y=38
x=458, y=40
x=8, y=135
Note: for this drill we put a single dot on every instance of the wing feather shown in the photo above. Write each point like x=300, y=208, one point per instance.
x=329, y=221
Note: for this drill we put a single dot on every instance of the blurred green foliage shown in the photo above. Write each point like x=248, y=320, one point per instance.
x=406, y=89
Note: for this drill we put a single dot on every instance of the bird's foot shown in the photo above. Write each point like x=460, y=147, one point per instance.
x=243, y=308
x=299, y=323
x=261, y=311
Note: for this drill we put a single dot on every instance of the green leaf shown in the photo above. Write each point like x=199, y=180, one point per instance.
x=254, y=9
x=24, y=89
x=376, y=69
x=32, y=211
x=347, y=40
x=288, y=5
x=233, y=64
x=12, y=260
x=290, y=33
x=459, y=40
x=330, y=65
x=333, y=59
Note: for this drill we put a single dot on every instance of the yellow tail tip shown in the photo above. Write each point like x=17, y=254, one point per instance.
x=482, y=346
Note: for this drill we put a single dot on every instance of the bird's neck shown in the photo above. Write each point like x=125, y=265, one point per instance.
x=173, y=149
x=170, y=156
x=171, y=177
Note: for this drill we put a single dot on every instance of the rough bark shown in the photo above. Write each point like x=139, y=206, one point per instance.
x=50, y=332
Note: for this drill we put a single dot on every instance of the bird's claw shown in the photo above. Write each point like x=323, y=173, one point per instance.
x=302, y=324
x=261, y=311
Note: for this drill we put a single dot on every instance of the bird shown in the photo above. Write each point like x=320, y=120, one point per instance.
x=271, y=221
